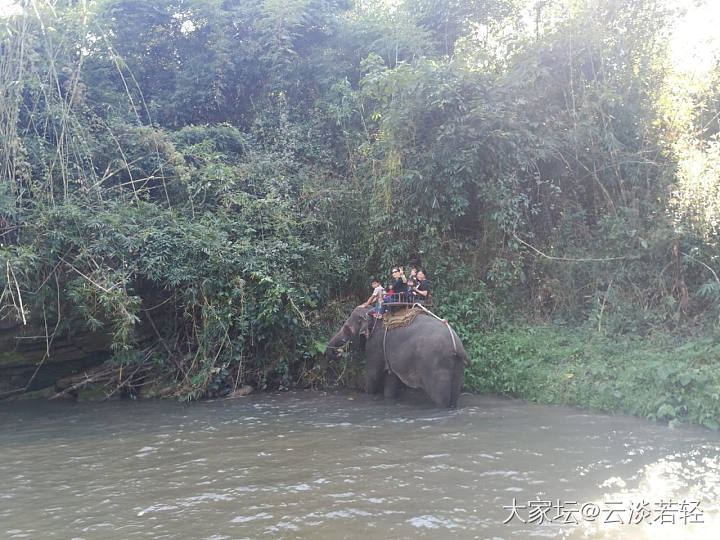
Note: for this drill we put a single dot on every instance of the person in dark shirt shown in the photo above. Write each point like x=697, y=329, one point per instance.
x=399, y=283
x=423, y=288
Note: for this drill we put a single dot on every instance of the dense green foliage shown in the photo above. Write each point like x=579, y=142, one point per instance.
x=658, y=379
x=208, y=180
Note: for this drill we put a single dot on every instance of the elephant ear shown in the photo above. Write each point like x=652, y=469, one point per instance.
x=361, y=322
x=365, y=325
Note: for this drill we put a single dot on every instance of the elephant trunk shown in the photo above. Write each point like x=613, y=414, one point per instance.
x=337, y=341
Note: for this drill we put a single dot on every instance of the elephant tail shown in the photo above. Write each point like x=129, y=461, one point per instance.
x=460, y=352
x=457, y=374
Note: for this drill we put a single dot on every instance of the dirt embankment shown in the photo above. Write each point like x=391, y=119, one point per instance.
x=30, y=362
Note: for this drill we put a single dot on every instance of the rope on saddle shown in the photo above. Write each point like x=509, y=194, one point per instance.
x=444, y=321
x=387, y=364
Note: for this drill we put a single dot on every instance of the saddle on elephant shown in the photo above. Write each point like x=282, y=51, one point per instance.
x=402, y=318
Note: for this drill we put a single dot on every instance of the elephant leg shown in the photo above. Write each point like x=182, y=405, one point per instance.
x=373, y=380
x=391, y=385
x=456, y=385
x=454, y=398
x=440, y=391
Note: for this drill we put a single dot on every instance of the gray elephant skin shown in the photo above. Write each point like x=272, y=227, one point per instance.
x=428, y=354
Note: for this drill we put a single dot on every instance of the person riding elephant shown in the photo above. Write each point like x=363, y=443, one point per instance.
x=426, y=354
x=399, y=285
x=422, y=289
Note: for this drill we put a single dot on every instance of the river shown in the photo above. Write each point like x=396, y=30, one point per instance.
x=328, y=466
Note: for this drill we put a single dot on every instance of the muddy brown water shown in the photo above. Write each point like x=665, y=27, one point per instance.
x=316, y=465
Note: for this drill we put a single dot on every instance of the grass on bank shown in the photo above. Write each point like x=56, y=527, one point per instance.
x=657, y=378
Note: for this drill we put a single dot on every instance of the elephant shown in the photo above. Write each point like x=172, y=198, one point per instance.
x=427, y=354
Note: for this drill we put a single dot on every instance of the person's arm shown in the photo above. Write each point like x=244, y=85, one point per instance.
x=420, y=291
x=372, y=299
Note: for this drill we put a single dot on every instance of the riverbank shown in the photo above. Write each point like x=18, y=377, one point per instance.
x=662, y=378
x=657, y=377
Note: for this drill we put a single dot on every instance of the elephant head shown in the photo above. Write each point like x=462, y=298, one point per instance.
x=355, y=327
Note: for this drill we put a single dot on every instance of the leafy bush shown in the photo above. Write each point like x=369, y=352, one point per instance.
x=658, y=378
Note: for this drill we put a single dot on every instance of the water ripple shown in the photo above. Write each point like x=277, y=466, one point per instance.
x=319, y=465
